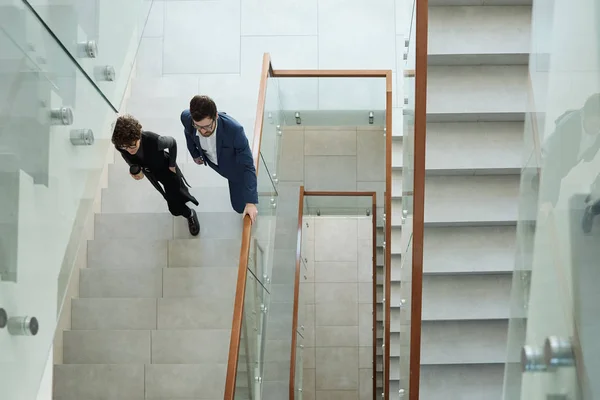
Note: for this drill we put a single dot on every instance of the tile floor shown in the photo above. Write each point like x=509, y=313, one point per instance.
x=338, y=318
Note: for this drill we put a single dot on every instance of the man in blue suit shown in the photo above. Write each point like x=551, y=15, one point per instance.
x=217, y=140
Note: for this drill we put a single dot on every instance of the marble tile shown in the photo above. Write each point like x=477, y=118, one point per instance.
x=287, y=52
x=365, y=377
x=337, y=395
x=337, y=368
x=357, y=34
x=291, y=167
x=335, y=239
x=330, y=173
x=190, y=346
x=370, y=160
x=330, y=143
x=337, y=314
x=327, y=271
x=279, y=18
x=337, y=336
x=336, y=292
x=219, y=18
x=149, y=58
x=155, y=22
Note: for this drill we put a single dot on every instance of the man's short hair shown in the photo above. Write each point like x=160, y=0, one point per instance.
x=202, y=107
x=128, y=130
x=591, y=107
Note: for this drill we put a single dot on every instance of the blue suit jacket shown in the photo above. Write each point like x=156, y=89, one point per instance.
x=234, y=157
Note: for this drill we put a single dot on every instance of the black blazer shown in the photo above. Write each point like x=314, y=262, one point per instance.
x=234, y=156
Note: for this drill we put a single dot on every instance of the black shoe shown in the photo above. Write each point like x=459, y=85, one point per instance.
x=194, y=224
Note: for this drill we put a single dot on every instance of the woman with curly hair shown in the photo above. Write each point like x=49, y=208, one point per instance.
x=145, y=154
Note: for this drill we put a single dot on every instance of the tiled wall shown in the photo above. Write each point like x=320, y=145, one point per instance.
x=216, y=48
x=334, y=158
x=338, y=324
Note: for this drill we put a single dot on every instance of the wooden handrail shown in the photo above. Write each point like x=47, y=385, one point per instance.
x=292, y=387
x=420, y=121
x=388, y=235
x=238, y=311
x=329, y=73
x=338, y=194
x=240, y=289
x=374, y=297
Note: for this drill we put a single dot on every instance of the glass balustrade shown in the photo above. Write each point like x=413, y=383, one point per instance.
x=55, y=129
x=553, y=329
x=330, y=102
x=102, y=36
x=408, y=136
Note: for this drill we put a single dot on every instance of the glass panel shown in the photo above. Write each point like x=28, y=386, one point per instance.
x=405, y=293
x=412, y=42
x=250, y=360
x=408, y=146
x=49, y=177
x=329, y=102
x=280, y=279
x=101, y=35
x=299, y=366
x=339, y=205
x=264, y=229
x=555, y=297
x=273, y=121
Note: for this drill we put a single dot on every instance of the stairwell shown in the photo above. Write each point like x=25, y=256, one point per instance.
x=153, y=317
x=476, y=103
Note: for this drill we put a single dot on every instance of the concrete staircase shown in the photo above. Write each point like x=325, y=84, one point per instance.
x=153, y=317
x=477, y=98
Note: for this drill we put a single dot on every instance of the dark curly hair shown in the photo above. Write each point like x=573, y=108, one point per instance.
x=128, y=130
x=202, y=107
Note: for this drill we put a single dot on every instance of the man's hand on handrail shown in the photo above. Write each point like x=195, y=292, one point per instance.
x=251, y=211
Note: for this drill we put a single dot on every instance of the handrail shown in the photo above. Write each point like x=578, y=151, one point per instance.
x=292, y=387
x=387, y=286
x=240, y=290
x=420, y=122
x=302, y=195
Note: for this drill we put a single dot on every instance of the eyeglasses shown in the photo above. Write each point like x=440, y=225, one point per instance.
x=130, y=147
x=204, y=127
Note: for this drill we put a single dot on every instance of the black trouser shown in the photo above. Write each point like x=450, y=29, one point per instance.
x=176, y=199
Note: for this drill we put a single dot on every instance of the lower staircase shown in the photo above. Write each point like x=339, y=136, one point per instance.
x=153, y=317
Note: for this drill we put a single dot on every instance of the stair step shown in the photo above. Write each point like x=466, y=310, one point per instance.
x=198, y=176
x=121, y=282
x=216, y=282
x=163, y=226
x=107, y=347
x=109, y=252
x=464, y=148
x=477, y=93
x=452, y=250
x=133, y=226
x=464, y=342
x=459, y=200
x=478, y=35
x=223, y=253
x=113, y=314
x=194, y=313
x=450, y=297
x=485, y=380
x=146, y=199
x=180, y=381
x=99, y=382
